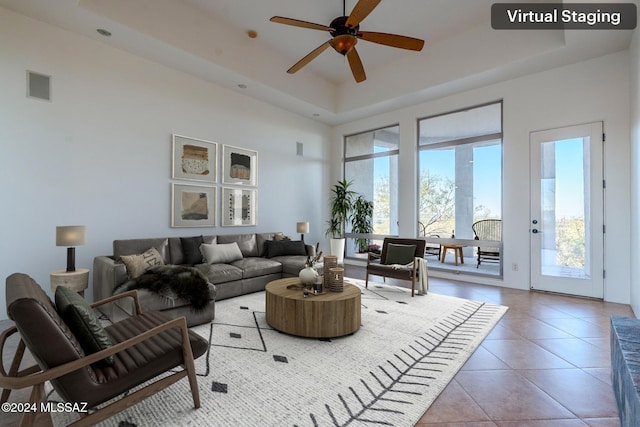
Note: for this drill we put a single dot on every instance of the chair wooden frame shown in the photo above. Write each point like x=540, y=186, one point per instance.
x=34, y=377
x=383, y=270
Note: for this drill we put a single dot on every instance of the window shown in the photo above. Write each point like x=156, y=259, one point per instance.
x=460, y=171
x=371, y=164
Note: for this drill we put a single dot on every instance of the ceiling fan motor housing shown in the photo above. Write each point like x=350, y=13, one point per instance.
x=344, y=38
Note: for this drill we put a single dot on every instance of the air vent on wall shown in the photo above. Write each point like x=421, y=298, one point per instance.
x=38, y=86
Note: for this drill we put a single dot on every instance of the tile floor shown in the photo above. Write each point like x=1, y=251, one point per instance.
x=546, y=364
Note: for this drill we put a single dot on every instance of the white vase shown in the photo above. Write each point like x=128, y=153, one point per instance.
x=337, y=249
x=308, y=276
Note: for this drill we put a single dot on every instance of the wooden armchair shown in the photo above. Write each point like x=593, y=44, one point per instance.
x=145, y=346
x=397, y=260
x=488, y=229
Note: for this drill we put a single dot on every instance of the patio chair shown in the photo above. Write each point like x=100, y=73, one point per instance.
x=143, y=347
x=488, y=229
x=430, y=248
x=397, y=260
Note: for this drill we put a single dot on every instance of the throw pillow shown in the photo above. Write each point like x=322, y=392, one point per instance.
x=221, y=253
x=82, y=321
x=247, y=243
x=191, y=249
x=139, y=263
x=400, y=254
x=273, y=248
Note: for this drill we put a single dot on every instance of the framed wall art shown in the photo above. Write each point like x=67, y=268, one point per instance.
x=193, y=205
x=239, y=166
x=239, y=207
x=194, y=159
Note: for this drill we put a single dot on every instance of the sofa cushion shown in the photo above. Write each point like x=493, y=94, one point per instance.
x=139, y=263
x=256, y=266
x=274, y=248
x=261, y=238
x=291, y=264
x=220, y=273
x=82, y=321
x=150, y=301
x=191, y=249
x=247, y=243
x=221, y=253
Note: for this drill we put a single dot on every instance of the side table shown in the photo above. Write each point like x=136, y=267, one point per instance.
x=457, y=250
x=75, y=280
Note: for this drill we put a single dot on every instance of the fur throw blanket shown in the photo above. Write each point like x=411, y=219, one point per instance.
x=172, y=282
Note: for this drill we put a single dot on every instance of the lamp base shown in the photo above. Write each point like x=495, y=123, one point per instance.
x=71, y=259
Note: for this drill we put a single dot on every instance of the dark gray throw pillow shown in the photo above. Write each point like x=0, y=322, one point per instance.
x=191, y=249
x=82, y=321
x=273, y=248
x=400, y=254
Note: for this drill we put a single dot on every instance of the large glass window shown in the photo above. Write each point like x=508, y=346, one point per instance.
x=371, y=164
x=460, y=173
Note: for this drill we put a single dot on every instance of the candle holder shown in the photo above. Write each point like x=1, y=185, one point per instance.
x=330, y=261
x=336, y=279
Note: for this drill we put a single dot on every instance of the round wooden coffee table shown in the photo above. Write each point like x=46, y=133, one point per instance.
x=327, y=315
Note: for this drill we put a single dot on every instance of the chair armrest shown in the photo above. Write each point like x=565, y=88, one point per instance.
x=58, y=371
x=373, y=256
x=133, y=294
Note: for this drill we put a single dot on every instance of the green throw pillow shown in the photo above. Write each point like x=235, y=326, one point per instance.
x=400, y=254
x=82, y=321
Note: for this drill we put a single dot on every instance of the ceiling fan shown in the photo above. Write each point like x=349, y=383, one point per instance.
x=345, y=32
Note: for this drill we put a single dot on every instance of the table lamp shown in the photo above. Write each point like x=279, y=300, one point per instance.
x=70, y=236
x=302, y=228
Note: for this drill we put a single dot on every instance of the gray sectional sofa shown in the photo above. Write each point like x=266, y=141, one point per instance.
x=230, y=272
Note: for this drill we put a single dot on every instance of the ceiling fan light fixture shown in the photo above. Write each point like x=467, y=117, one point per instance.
x=343, y=43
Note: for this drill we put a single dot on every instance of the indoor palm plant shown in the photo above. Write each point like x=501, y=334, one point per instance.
x=341, y=203
x=361, y=222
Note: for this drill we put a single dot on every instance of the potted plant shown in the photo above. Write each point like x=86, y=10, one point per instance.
x=361, y=222
x=341, y=203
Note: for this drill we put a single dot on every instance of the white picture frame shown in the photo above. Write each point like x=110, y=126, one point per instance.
x=239, y=207
x=193, y=205
x=194, y=159
x=239, y=166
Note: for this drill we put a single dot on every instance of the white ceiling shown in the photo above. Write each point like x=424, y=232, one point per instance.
x=208, y=39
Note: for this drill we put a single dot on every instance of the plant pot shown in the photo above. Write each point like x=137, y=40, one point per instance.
x=337, y=249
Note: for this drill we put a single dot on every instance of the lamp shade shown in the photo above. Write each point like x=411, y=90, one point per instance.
x=70, y=235
x=302, y=227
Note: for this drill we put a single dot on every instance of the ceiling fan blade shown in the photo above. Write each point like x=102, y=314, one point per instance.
x=393, y=40
x=357, y=69
x=310, y=56
x=299, y=23
x=360, y=11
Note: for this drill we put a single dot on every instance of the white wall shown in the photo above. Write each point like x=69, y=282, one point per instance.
x=99, y=154
x=588, y=91
x=635, y=171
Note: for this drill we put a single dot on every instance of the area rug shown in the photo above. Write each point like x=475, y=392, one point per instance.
x=387, y=373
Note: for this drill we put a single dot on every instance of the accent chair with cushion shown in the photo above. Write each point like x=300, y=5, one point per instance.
x=88, y=363
x=397, y=260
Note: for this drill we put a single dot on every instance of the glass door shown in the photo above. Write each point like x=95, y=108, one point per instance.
x=567, y=221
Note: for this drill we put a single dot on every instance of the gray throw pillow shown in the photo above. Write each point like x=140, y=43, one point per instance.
x=82, y=321
x=221, y=253
x=400, y=254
